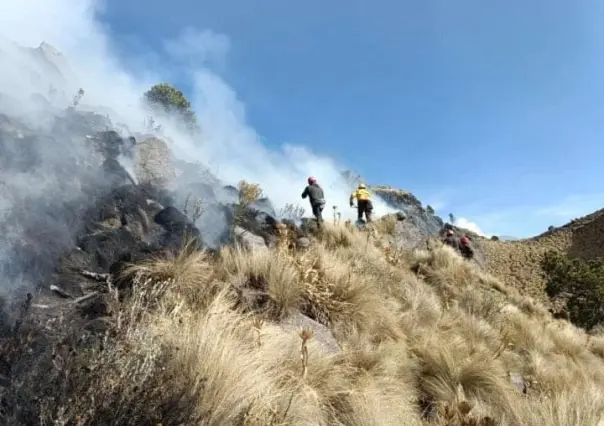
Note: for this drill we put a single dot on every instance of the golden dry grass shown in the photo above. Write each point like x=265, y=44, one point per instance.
x=518, y=262
x=432, y=346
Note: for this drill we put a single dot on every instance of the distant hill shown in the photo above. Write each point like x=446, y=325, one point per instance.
x=515, y=260
x=518, y=261
x=507, y=238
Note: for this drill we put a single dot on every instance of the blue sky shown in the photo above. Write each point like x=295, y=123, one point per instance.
x=490, y=110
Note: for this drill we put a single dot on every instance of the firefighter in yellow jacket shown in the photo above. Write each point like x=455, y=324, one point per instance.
x=364, y=204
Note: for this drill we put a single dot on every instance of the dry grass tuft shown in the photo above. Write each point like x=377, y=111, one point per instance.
x=271, y=280
x=339, y=295
x=385, y=225
x=223, y=369
x=190, y=272
x=333, y=236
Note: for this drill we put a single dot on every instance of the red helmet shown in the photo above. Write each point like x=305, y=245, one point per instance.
x=312, y=180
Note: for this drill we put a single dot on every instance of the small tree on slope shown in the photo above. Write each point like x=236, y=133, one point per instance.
x=169, y=99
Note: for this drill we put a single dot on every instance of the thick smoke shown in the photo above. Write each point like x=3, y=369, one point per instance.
x=37, y=84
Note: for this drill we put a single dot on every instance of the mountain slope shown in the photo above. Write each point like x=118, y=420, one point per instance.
x=518, y=262
x=143, y=326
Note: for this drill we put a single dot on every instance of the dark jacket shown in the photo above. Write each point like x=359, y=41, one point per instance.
x=452, y=241
x=315, y=193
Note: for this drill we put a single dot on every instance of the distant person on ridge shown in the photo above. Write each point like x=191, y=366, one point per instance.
x=317, y=199
x=450, y=239
x=466, y=249
x=444, y=229
x=364, y=204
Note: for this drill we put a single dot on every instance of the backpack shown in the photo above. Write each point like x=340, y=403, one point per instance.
x=465, y=248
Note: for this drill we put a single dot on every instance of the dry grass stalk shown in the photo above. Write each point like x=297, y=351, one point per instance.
x=197, y=208
x=292, y=211
x=258, y=324
x=305, y=334
x=285, y=243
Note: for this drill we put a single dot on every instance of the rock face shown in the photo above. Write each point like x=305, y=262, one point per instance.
x=426, y=223
x=65, y=194
x=154, y=163
x=419, y=223
x=248, y=240
x=38, y=69
x=67, y=199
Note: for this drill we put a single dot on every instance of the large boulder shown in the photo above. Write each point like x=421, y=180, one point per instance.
x=178, y=228
x=248, y=240
x=154, y=163
x=254, y=221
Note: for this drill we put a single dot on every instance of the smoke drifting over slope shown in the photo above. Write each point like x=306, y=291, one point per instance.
x=229, y=147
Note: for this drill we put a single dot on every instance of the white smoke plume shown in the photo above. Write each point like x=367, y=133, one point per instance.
x=228, y=145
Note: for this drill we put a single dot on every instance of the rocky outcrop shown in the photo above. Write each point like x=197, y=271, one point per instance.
x=427, y=223
x=67, y=199
x=418, y=225
x=420, y=222
x=69, y=196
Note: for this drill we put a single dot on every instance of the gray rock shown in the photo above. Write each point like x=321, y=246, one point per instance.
x=321, y=334
x=154, y=162
x=518, y=382
x=408, y=235
x=400, y=216
x=303, y=242
x=248, y=240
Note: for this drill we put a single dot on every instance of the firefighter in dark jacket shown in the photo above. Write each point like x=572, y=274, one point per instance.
x=451, y=240
x=465, y=247
x=316, y=197
x=364, y=204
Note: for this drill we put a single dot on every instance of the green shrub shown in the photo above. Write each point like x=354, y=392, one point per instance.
x=581, y=283
x=169, y=99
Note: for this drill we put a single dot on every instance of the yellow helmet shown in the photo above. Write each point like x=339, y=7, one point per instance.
x=362, y=186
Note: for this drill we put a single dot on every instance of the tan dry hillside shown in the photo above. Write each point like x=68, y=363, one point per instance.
x=518, y=262
x=412, y=338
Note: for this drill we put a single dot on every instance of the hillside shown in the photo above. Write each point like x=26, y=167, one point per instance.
x=140, y=290
x=137, y=320
x=518, y=262
x=338, y=333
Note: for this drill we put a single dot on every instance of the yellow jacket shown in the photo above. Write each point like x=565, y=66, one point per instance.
x=360, y=194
